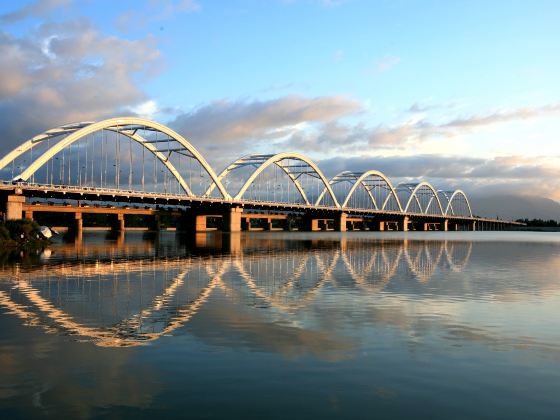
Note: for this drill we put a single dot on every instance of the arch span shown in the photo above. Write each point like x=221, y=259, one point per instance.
x=363, y=179
x=127, y=126
x=457, y=195
x=413, y=190
x=294, y=172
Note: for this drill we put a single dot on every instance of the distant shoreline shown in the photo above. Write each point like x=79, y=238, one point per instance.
x=537, y=229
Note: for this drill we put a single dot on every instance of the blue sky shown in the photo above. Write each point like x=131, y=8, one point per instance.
x=464, y=93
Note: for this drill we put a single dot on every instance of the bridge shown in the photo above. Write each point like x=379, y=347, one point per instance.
x=134, y=166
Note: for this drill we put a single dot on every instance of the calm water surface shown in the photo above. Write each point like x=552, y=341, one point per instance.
x=284, y=325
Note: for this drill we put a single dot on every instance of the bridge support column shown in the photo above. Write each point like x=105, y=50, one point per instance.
x=119, y=227
x=154, y=223
x=232, y=219
x=78, y=227
x=268, y=224
x=426, y=226
x=312, y=224
x=29, y=214
x=340, y=222
x=403, y=224
x=14, y=207
x=188, y=222
x=473, y=225
x=200, y=223
x=381, y=226
x=445, y=225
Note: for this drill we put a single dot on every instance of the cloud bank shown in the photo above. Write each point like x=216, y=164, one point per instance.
x=35, y=9
x=232, y=121
x=69, y=72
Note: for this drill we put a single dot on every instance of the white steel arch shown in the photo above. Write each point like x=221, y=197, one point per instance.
x=413, y=190
x=77, y=131
x=49, y=134
x=457, y=193
x=359, y=179
x=264, y=161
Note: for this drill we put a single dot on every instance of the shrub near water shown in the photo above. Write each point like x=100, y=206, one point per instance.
x=19, y=232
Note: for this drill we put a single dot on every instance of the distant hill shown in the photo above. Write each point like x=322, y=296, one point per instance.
x=515, y=207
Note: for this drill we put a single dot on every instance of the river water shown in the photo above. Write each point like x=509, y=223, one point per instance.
x=284, y=325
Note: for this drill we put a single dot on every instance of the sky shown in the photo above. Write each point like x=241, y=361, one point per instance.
x=464, y=94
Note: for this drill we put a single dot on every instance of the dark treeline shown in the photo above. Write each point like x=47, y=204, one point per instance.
x=539, y=222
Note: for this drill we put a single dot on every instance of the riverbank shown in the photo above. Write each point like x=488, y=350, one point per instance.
x=21, y=233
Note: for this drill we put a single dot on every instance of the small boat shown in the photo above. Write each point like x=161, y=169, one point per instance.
x=46, y=232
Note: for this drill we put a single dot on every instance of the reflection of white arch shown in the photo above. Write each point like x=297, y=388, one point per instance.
x=77, y=131
x=422, y=258
x=457, y=266
x=424, y=264
x=264, y=161
x=386, y=271
x=413, y=190
x=277, y=300
x=359, y=179
x=118, y=336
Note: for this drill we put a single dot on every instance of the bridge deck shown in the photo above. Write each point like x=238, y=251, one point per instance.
x=251, y=207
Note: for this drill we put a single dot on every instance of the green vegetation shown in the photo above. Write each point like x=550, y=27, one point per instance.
x=21, y=233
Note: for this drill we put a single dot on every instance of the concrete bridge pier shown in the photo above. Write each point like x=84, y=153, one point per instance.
x=118, y=225
x=78, y=228
x=154, y=224
x=14, y=207
x=232, y=219
x=340, y=222
x=403, y=223
x=312, y=224
x=192, y=221
x=199, y=222
x=195, y=220
x=454, y=226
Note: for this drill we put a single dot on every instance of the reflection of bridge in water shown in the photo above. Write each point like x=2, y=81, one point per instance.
x=152, y=297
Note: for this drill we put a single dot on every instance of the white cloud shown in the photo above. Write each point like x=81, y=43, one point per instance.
x=68, y=72
x=34, y=9
x=145, y=109
x=241, y=121
x=154, y=11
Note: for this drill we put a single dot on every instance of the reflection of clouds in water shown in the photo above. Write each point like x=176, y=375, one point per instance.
x=41, y=372
x=285, y=298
